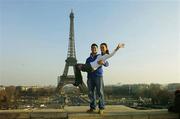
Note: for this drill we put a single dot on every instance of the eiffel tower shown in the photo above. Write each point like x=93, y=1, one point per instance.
x=70, y=61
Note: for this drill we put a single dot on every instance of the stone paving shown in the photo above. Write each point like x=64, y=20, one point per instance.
x=79, y=112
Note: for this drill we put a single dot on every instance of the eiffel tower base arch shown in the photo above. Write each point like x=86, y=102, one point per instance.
x=64, y=80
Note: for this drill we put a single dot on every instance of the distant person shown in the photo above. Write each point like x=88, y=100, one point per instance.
x=95, y=74
x=176, y=105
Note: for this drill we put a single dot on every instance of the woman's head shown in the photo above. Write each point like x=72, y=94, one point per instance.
x=104, y=48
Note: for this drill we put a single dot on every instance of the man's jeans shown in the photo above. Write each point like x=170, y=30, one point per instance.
x=99, y=85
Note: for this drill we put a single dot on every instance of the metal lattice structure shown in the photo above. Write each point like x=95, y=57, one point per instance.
x=70, y=61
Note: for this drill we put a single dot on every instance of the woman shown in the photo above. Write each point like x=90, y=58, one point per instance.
x=95, y=64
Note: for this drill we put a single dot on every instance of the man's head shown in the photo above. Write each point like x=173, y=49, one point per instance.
x=94, y=48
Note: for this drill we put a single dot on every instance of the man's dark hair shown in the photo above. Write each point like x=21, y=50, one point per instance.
x=94, y=44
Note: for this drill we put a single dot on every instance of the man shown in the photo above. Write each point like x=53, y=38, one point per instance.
x=95, y=80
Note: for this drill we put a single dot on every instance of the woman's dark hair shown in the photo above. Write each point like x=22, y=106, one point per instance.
x=94, y=44
x=107, y=51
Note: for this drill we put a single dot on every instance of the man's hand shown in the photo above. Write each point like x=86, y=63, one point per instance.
x=101, y=62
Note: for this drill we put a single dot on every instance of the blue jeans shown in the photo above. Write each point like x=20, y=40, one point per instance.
x=98, y=84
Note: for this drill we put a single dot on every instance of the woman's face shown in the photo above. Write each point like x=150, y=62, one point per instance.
x=103, y=49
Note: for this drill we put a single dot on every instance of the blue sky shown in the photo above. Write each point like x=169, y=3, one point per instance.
x=34, y=38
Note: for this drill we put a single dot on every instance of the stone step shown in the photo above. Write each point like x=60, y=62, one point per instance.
x=79, y=112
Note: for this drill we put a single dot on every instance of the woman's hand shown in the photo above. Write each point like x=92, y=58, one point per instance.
x=120, y=45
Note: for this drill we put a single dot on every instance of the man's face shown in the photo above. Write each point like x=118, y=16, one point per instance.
x=94, y=49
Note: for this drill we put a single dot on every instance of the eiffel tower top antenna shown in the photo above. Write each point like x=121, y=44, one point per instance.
x=71, y=10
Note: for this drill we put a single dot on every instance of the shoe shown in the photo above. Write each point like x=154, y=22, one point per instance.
x=101, y=111
x=76, y=84
x=91, y=110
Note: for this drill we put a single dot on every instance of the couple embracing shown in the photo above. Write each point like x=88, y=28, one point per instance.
x=93, y=67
